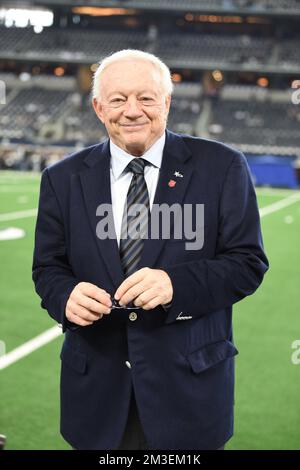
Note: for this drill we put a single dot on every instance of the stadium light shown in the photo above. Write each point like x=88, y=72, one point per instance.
x=21, y=18
x=263, y=82
x=38, y=28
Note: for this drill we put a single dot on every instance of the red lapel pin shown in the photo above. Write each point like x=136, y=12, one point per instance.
x=171, y=183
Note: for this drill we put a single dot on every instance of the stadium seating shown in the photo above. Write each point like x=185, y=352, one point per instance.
x=69, y=44
x=266, y=123
x=235, y=5
x=289, y=52
x=30, y=109
x=213, y=48
x=79, y=45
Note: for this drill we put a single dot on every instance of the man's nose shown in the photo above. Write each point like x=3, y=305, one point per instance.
x=132, y=108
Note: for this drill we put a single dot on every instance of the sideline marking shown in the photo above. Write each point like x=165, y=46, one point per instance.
x=29, y=346
x=18, y=215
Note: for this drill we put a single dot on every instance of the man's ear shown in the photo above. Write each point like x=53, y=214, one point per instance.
x=168, y=104
x=98, y=109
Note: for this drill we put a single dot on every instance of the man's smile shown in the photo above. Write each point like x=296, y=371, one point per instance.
x=134, y=126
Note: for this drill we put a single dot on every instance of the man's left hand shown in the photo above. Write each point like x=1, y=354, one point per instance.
x=147, y=288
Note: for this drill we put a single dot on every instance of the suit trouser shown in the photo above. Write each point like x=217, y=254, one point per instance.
x=133, y=437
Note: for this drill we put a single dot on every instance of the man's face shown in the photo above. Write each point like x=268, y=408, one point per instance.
x=133, y=106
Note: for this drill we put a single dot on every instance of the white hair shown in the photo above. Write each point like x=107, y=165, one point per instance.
x=128, y=54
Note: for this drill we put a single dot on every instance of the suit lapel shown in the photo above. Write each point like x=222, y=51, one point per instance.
x=175, y=158
x=95, y=181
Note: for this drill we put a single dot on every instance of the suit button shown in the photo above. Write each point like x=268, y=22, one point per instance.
x=132, y=316
x=128, y=364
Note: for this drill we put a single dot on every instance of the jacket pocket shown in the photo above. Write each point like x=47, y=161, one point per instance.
x=74, y=359
x=211, y=355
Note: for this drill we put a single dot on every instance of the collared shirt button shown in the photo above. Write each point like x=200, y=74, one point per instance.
x=132, y=316
x=128, y=364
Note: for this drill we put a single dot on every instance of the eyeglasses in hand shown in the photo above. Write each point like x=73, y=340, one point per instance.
x=116, y=305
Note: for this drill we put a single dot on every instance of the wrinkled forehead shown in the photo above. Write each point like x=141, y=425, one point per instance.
x=131, y=76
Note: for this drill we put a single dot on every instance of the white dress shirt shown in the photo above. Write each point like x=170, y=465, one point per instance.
x=120, y=180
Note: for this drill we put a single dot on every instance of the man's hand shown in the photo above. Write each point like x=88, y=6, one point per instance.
x=87, y=303
x=147, y=287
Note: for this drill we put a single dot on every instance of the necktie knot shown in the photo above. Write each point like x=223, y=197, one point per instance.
x=137, y=166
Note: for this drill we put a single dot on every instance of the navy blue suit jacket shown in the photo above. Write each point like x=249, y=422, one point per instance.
x=182, y=360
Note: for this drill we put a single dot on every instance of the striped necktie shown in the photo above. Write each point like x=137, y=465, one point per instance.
x=135, y=218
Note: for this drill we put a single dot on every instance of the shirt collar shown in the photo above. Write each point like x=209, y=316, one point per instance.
x=120, y=159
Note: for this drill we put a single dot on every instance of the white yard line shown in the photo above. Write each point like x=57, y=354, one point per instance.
x=274, y=193
x=13, y=175
x=281, y=204
x=30, y=346
x=54, y=332
x=18, y=215
x=271, y=192
x=18, y=189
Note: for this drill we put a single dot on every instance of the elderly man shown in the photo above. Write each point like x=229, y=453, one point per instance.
x=148, y=355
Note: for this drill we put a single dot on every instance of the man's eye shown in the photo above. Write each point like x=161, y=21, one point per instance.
x=147, y=99
x=117, y=100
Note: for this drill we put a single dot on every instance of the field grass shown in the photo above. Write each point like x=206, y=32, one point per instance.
x=267, y=383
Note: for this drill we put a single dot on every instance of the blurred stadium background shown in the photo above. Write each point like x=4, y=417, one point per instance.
x=236, y=67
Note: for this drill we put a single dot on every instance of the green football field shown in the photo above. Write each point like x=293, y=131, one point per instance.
x=267, y=414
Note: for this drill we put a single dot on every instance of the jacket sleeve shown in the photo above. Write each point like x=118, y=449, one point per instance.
x=51, y=271
x=237, y=269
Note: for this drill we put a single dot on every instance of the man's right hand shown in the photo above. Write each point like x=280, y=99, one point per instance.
x=87, y=303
